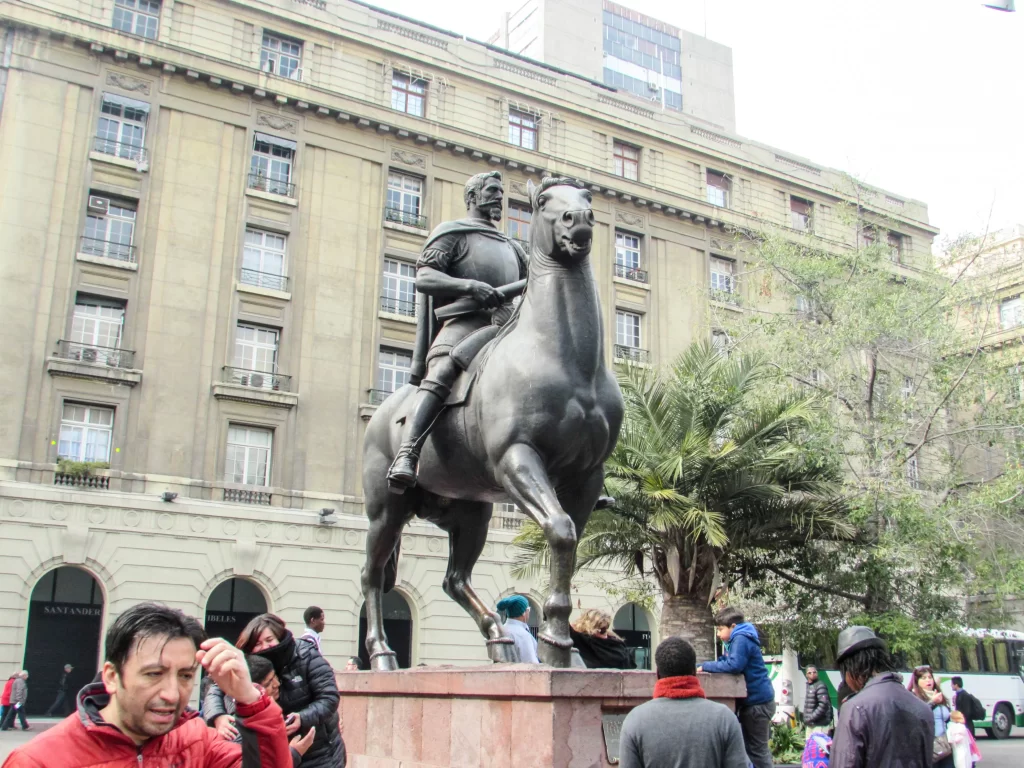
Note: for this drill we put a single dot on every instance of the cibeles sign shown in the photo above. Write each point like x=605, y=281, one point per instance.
x=55, y=609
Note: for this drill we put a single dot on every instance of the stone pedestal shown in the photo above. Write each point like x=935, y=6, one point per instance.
x=498, y=716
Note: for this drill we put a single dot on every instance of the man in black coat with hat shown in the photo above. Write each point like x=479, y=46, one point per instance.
x=883, y=725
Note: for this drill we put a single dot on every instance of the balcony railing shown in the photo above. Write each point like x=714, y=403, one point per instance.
x=133, y=152
x=90, y=353
x=81, y=481
x=108, y=249
x=631, y=273
x=507, y=522
x=263, y=279
x=245, y=377
x=726, y=297
x=263, y=183
x=408, y=218
x=378, y=396
x=397, y=306
x=632, y=354
x=245, y=496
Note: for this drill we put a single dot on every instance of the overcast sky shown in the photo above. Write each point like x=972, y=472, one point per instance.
x=924, y=98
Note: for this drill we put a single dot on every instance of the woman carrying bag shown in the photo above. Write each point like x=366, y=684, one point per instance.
x=923, y=685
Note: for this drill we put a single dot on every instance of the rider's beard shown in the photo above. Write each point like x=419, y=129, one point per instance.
x=493, y=212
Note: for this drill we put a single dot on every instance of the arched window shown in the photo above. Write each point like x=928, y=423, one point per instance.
x=397, y=626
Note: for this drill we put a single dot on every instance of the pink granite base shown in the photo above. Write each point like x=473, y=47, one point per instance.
x=498, y=716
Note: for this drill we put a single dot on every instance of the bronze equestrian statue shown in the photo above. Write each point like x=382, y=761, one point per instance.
x=515, y=405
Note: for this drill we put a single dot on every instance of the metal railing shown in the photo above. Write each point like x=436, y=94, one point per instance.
x=90, y=353
x=378, y=396
x=632, y=354
x=726, y=297
x=397, y=306
x=265, y=380
x=107, y=249
x=263, y=279
x=631, y=273
x=507, y=522
x=263, y=183
x=408, y=218
x=81, y=481
x=244, y=496
x=134, y=152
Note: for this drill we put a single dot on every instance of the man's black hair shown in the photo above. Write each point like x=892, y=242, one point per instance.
x=259, y=668
x=729, y=616
x=674, y=658
x=313, y=612
x=957, y=680
x=866, y=663
x=147, y=620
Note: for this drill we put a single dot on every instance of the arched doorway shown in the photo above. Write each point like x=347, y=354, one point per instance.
x=632, y=625
x=536, y=616
x=397, y=626
x=231, y=606
x=65, y=621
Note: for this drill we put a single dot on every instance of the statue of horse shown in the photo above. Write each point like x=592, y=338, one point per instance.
x=541, y=417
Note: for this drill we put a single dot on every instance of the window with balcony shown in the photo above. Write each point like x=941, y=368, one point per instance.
x=627, y=257
x=800, y=214
x=404, y=201
x=719, y=188
x=96, y=330
x=263, y=260
x=627, y=337
x=255, y=363
x=393, y=369
x=723, y=280
x=896, y=246
x=248, y=455
x=522, y=129
x=398, y=295
x=137, y=17
x=627, y=161
x=122, y=127
x=1011, y=313
x=408, y=94
x=86, y=432
x=518, y=227
x=270, y=169
x=281, y=56
x=109, y=228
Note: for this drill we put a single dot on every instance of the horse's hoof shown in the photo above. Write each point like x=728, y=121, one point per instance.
x=384, y=661
x=604, y=502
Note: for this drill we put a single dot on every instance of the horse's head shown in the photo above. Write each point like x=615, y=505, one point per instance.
x=563, y=222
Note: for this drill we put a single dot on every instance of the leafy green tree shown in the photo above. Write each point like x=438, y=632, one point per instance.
x=708, y=473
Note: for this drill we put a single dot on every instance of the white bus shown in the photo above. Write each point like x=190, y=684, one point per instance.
x=990, y=661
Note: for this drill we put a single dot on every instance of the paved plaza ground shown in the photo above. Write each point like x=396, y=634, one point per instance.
x=997, y=754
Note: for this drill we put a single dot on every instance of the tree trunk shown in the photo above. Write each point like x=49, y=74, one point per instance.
x=690, y=618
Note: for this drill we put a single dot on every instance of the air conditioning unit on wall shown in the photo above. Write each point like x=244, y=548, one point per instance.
x=98, y=204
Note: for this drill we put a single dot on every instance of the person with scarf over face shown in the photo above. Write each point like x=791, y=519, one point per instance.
x=309, y=695
x=679, y=727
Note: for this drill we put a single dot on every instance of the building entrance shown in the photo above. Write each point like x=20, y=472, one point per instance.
x=397, y=626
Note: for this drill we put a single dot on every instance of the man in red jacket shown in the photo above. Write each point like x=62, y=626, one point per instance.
x=137, y=716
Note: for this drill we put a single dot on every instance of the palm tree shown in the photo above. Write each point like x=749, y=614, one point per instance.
x=709, y=474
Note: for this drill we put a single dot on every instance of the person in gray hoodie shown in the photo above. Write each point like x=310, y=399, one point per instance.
x=19, y=695
x=679, y=727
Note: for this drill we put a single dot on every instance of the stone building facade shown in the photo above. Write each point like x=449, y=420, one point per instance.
x=212, y=214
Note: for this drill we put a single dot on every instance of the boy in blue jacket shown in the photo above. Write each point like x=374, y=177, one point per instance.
x=743, y=655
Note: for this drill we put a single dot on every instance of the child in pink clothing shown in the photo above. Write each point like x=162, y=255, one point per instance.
x=965, y=750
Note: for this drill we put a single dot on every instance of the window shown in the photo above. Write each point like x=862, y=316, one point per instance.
x=96, y=323
x=718, y=188
x=271, y=166
x=522, y=129
x=720, y=342
x=913, y=472
x=137, y=17
x=281, y=56
x=800, y=214
x=122, y=127
x=248, y=456
x=627, y=329
x=627, y=257
x=263, y=260
x=1016, y=384
x=1011, y=313
x=408, y=94
x=896, y=248
x=256, y=350
x=392, y=370
x=109, y=228
x=405, y=195
x=907, y=390
x=867, y=237
x=519, y=217
x=803, y=304
x=399, y=292
x=627, y=161
x=85, y=432
x=723, y=280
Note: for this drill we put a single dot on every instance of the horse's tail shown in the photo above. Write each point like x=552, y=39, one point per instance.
x=391, y=567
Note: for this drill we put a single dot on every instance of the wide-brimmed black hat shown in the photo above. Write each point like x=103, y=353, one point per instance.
x=855, y=638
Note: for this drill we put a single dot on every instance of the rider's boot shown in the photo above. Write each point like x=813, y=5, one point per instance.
x=402, y=474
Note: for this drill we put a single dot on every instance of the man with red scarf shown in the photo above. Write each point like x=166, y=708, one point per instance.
x=679, y=727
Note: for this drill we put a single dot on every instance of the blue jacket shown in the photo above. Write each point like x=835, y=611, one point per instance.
x=744, y=655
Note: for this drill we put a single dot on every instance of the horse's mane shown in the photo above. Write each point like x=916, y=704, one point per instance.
x=553, y=181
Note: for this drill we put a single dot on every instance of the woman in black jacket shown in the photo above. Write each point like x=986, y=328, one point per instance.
x=598, y=645
x=309, y=695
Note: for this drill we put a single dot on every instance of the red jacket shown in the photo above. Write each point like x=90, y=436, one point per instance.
x=84, y=739
x=5, y=699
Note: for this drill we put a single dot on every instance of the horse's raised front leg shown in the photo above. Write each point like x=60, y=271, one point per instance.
x=466, y=524
x=525, y=477
x=387, y=518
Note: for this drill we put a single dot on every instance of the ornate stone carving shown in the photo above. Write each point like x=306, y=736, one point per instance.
x=518, y=188
x=718, y=244
x=712, y=136
x=128, y=83
x=508, y=66
x=630, y=219
x=408, y=158
x=636, y=109
x=277, y=122
x=412, y=34
x=797, y=164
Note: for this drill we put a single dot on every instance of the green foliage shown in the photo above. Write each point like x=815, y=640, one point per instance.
x=786, y=744
x=79, y=468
